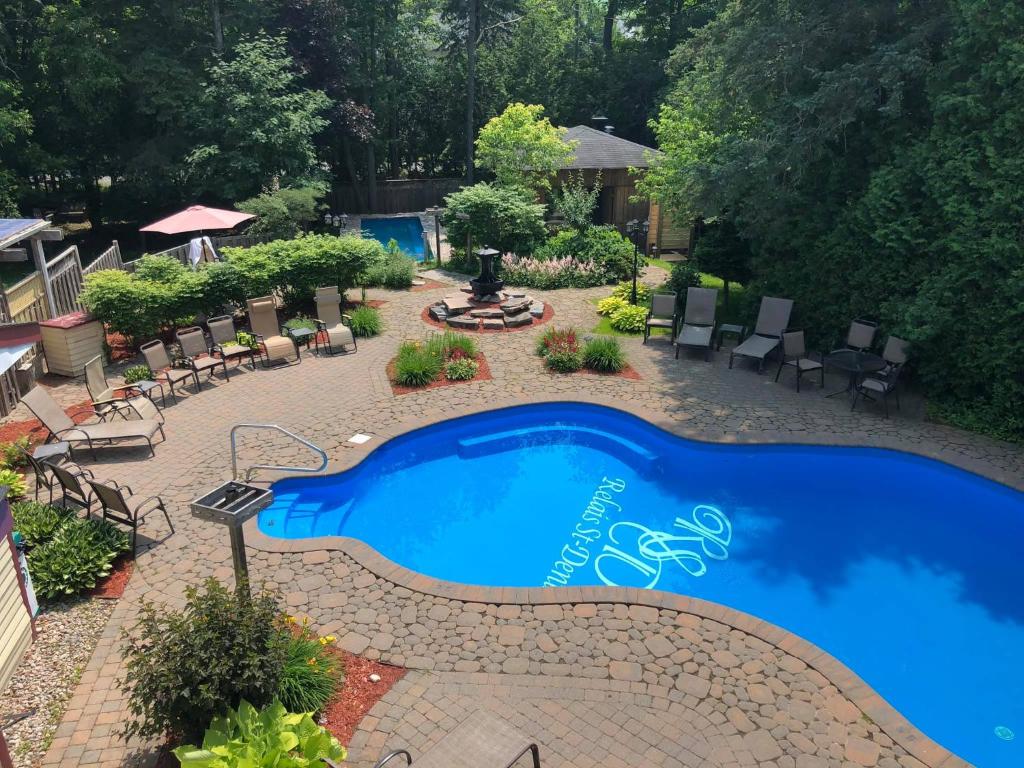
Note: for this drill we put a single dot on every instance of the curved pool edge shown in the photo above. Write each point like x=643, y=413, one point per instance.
x=356, y=454
x=858, y=692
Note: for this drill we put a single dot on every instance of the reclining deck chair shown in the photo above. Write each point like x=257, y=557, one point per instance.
x=159, y=362
x=698, y=320
x=225, y=340
x=106, y=400
x=62, y=427
x=193, y=347
x=128, y=510
x=264, y=324
x=332, y=321
x=772, y=320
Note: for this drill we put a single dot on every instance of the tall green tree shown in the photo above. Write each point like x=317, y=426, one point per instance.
x=258, y=125
x=521, y=147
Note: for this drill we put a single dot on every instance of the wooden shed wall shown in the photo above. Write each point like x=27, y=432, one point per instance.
x=15, y=623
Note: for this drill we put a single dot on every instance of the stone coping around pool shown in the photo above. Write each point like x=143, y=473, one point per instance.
x=894, y=724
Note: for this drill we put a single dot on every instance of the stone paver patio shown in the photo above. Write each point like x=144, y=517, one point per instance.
x=598, y=677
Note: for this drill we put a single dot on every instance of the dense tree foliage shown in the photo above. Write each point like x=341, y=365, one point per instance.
x=521, y=147
x=871, y=156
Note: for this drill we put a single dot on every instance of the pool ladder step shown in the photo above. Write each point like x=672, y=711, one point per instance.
x=274, y=428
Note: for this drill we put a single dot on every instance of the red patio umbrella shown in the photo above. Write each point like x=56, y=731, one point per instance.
x=197, y=218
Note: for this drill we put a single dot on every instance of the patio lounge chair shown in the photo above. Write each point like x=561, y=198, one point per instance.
x=193, y=347
x=263, y=321
x=698, y=320
x=332, y=321
x=224, y=340
x=662, y=315
x=794, y=353
x=62, y=427
x=106, y=400
x=159, y=363
x=480, y=741
x=772, y=320
x=128, y=510
x=884, y=382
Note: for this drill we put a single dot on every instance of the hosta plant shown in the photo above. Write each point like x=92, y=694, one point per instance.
x=629, y=319
x=38, y=523
x=14, y=481
x=461, y=368
x=610, y=304
x=137, y=373
x=80, y=553
x=269, y=738
x=624, y=291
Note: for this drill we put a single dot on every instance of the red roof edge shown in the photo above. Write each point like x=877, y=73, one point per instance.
x=15, y=334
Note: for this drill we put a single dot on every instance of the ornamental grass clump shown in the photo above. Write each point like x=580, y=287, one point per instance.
x=417, y=364
x=603, y=355
x=365, y=321
x=311, y=673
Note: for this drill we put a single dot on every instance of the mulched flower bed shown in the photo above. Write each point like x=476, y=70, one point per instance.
x=428, y=285
x=629, y=372
x=357, y=694
x=372, y=303
x=120, y=349
x=113, y=585
x=483, y=374
x=549, y=312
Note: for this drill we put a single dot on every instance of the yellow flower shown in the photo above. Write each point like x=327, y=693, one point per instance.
x=312, y=661
x=289, y=619
x=330, y=638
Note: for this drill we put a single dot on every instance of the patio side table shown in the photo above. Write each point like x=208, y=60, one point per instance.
x=146, y=387
x=52, y=453
x=302, y=336
x=854, y=364
x=739, y=331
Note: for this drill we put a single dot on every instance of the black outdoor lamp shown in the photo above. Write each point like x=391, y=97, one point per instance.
x=635, y=229
x=338, y=220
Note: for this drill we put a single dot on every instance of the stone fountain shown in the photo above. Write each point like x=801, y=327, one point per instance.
x=487, y=286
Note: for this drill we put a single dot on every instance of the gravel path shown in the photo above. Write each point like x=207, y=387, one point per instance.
x=48, y=673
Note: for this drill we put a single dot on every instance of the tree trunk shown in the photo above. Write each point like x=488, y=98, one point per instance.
x=470, y=84
x=371, y=176
x=609, y=26
x=218, y=29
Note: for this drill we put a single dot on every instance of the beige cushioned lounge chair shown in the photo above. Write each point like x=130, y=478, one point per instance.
x=62, y=427
x=332, y=321
x=264, y=323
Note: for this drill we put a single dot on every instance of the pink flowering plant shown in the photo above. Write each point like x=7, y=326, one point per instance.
x=565, y=272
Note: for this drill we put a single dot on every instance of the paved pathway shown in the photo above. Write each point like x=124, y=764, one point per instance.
x=594, y=683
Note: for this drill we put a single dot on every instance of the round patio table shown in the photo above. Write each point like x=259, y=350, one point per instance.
x=855, y=364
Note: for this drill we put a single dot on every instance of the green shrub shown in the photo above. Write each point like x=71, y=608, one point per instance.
x=460, y=261
x=13, y=454
x=684, y=275
x=246, y=339
x=548, y=337
x=560, y=349
x=417, y=365
x=609, y=252
x=395, y=271
x=461, y=369
x=610, y=304
x=310, y=674
x=271, y=738
x=365, y=321
x=629, y=319
x=14, y=481
x=38, y=523
x=137, y=373
x=624, y=291
x=184, y=668
x=283, y=213
x=506, y=218
x=452, y=342
x=604, y=355
x=80, y=553
x=300, y=322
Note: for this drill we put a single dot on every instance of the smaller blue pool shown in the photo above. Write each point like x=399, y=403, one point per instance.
x=407, y=231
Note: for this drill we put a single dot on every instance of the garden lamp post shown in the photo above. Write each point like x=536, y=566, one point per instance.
x=435, y=211
x=337, y=220
x=635, y=229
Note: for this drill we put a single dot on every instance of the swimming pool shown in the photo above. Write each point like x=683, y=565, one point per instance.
x=907, y=570
x=406, y=230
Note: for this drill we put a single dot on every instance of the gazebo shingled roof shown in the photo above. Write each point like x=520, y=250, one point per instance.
x=597, y=149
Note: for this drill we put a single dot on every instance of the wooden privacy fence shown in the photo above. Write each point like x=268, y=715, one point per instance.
x=394, y=195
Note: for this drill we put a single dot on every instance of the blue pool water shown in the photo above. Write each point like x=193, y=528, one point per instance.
x=907, y=570
x=406, y=230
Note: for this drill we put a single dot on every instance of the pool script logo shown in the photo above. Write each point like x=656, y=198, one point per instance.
x=636, y=555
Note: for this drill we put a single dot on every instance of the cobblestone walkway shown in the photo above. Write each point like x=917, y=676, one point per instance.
x=594, y=682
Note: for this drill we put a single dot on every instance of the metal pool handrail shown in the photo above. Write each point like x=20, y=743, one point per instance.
x=234, y=451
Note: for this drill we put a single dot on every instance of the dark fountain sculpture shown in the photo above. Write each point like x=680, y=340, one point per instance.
x=488, y=285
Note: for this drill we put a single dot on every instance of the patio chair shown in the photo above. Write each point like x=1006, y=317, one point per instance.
x=884, y=382
x=193, y=346
x=62, y=427
x=480, y=741
x=772, y=320
x=224, y=340
x=264, y=324
x=160, y=364
x=69, y=476
x=662, y=314
x=43, y=469
x=127, y=510
x=107, y=401
x=698, y=320
x=332, y=321
x=794, y=353
x=861, y=335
